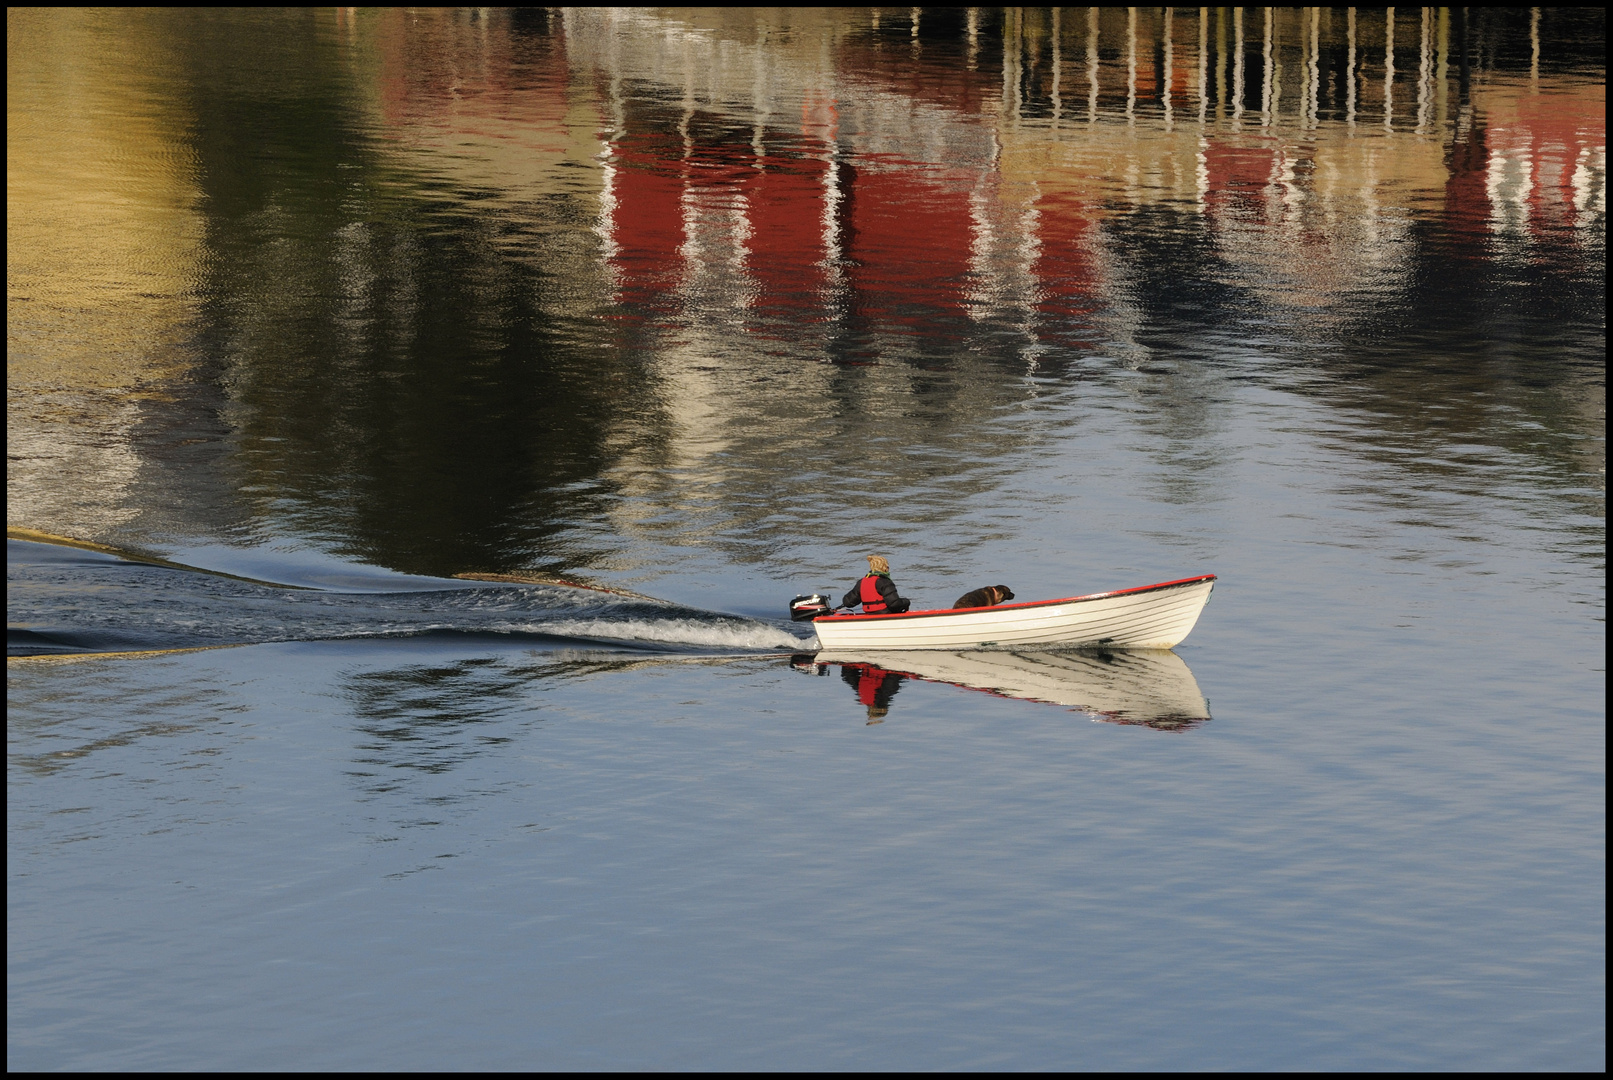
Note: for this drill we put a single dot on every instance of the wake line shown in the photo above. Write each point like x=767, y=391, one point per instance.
x=554, y=580
x=37, y=659
x=15, y=532
x=37, y=536
x=729, y=634
x=50, y=614
x=630, y=636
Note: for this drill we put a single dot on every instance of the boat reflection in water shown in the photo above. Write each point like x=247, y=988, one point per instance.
x=1146, y=687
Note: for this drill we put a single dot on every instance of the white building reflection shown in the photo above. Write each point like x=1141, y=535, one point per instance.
x=928, y=187
x=850, y=186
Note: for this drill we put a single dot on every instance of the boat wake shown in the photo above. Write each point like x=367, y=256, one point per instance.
x=64, y=599
x=711, y=631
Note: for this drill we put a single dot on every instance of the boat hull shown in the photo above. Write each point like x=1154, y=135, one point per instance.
x=1150, y=617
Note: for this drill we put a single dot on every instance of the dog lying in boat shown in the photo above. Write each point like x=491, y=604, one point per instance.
x=987, y=597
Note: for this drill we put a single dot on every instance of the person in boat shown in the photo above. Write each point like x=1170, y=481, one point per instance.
x=877, y=592
x=875, y=687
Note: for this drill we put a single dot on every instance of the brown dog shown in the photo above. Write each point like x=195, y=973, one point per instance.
x=991, y=594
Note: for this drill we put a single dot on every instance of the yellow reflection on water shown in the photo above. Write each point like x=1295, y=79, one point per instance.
x=103, y=232
x=103, y=242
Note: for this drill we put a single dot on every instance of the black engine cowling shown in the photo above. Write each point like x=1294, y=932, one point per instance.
x=811, y=606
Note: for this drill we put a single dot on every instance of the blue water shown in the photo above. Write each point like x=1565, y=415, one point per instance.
x=320, y=320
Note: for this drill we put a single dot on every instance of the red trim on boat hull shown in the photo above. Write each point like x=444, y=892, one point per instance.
x=1011, y=607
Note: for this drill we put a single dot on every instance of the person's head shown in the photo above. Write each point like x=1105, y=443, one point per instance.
x=876, y=713
x=878, y=565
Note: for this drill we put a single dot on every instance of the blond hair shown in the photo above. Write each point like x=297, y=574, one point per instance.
x=878, y=565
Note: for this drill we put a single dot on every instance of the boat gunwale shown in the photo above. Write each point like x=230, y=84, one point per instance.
x=1011, y=607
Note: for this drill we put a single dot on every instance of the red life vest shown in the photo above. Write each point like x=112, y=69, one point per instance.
x=873, y=603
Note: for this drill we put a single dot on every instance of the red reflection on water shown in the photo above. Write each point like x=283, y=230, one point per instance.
x=1546, y=141
x=1529, y=172
x=1065, y=268
x=922, y=230
x=908, y=239
x=646, y=219
x=789, y=213
x=1239, y=176
x=905, y=227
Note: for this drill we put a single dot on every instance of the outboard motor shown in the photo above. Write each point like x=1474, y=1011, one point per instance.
x=803, y=608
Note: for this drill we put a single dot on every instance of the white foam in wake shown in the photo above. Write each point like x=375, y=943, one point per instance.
x=727, y=634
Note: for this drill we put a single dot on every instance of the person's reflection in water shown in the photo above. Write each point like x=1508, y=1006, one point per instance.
x=875, y=687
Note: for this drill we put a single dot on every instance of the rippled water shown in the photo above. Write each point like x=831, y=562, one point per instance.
x=472, y=390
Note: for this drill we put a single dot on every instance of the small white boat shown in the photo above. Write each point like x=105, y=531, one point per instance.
x=1150, y=617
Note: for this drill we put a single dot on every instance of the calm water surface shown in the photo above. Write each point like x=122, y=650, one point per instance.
x=346, y=345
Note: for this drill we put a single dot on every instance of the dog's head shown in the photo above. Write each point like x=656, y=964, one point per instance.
x=1001, y=594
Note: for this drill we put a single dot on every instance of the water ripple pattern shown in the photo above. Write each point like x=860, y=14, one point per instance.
x=418, y=421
